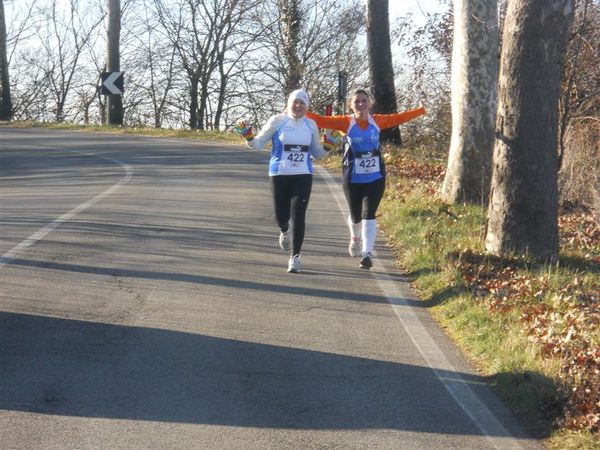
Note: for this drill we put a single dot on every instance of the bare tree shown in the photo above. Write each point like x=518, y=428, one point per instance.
x=157, y=64
x=330, y=46
x=63, y=40
x=5, y=100
x=291, y=25
x=381, y=69
x=426, y=78
x=579, y=154
x=10, y=39
x=474, y=78
x=234, y=43
x=523, y=209
x=327, y=42
x=195, y=28
x=206, y=62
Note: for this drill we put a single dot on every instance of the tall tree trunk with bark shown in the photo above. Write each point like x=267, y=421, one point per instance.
x=114, y=103
x=523, y=209
x=5, y=99
x=291, y=23
x=194, y=95
x=223, y=79
x=474, y=88
x=381, y=68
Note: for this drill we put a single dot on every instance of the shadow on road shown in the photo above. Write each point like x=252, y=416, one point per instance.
x=210, y=281
x=85, y=369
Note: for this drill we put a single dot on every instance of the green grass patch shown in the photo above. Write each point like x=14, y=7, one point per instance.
x=428, y=238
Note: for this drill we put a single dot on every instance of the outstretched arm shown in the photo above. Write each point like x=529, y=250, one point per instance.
x=393, y=120
x=258, y=142
x=340, y=123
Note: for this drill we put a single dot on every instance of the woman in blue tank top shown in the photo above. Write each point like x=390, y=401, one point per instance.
x=363, y=167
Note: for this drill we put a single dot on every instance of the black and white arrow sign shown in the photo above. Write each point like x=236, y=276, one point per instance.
x=112, y=83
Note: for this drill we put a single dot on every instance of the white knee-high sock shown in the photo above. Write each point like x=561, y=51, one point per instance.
x=354, y=228
x=369, y=232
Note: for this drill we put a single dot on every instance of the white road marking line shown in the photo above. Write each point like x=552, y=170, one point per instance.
x=10, y=255
x=457, y=386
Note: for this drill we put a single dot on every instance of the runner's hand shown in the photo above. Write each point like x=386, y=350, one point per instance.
x=244, y=130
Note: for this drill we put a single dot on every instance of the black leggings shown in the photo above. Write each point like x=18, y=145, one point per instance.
x=363, y=198
x=291, y=194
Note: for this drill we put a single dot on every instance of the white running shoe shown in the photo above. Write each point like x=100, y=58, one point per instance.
x=294, y=264
x=284, y=241
x=354, y=247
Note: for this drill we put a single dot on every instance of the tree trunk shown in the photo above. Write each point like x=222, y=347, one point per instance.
x=202, y=103
x=194, y=81
x=381, y=69
x=223, y=78
x=291, y=25
x=5, y=99
x=114, y=103
x=474, y=88
x=523, y=209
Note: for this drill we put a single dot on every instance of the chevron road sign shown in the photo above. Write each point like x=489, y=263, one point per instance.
x=112, y=83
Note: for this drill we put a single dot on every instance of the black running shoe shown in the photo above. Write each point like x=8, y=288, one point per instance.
x=365, y=262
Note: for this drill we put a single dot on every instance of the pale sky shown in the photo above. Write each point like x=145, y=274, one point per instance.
x=418, y=7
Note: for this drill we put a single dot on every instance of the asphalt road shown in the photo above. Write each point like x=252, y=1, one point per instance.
x=145, y=303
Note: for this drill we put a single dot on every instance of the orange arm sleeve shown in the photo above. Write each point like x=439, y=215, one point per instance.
x=384, y=121
x=340, y=123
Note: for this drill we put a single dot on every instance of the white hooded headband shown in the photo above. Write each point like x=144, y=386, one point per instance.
x=298, y=94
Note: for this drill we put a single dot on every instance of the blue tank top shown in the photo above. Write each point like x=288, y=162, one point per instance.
x=362, y=162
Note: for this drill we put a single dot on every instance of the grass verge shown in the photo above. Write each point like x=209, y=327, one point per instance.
x=531, y=328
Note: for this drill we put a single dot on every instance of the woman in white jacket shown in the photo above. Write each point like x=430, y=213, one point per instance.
x=294, y=138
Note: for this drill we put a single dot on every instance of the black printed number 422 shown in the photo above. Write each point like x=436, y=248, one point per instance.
x=367, y=163
x=296, y=157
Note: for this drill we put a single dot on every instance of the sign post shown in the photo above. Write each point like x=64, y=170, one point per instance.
x=114, y=80
x=342, y=90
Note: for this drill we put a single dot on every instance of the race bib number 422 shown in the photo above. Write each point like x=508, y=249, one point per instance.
x=295, y=155
x=366, y=164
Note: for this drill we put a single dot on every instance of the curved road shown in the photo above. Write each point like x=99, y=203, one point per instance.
x=145, y=303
